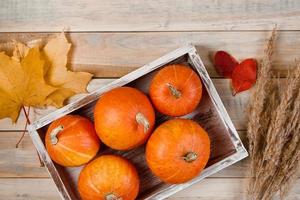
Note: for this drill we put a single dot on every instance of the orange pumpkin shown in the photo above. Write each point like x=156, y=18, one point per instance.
x=176, y=90
x=178, y=150
x=72, y=141
x=108, y=177
x=124, y=118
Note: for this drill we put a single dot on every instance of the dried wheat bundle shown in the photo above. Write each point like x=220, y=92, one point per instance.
x=273, y=130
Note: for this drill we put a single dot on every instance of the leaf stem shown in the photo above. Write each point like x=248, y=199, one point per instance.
x=22, y=136
x=26, y=124
x=26, y=114
x=24, y=131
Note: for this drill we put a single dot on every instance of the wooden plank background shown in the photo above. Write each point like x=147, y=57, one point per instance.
x=112, y=38
x=159, y=15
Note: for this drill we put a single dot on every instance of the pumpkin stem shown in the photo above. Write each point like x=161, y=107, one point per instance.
x=112, y=196
x=141, y=119
x=53, y=134
x=190, y=156
x=176, y=93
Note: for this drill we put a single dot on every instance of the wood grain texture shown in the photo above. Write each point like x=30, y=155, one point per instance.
x=23, y=161
x=166, y=15
x=223, y=189
x=116, y=54
x=235, y=105
x=208, y=189
x=19, y=162
x=211, y=25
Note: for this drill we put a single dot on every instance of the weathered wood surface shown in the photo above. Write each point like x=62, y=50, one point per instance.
x=234, y=105
x=116, y=54
x=223, y=189
x=23, y=161
x=19, y=162
x=208, y=189
x=161, y=15
x=113, y=38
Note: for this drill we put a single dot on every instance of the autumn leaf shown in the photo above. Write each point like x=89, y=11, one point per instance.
x=20, y=51
x=224, y=63
x=22, y=83
x=55, y=52
x=244, y=75
x=58, y=75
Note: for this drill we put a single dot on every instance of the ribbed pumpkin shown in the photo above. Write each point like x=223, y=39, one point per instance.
x=176, y=90
x=72, y=141
x=178, y=150
x=124, y=118
x=108, y=177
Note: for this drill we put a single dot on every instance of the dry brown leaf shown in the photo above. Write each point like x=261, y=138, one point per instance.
x=22, y=83
x=58, y=75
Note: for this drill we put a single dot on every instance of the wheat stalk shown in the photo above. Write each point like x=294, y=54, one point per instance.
x=257, y=110
x=282, y=151
x=273, y=130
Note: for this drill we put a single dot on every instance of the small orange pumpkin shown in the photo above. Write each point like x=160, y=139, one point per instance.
x=176, y=90
x=108, y=177
x=72, y=141
x=178, y=150
x=124, y=118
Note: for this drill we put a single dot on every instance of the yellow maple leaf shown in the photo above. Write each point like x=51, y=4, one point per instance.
x=22, y=83
x=58, y=75
x=20, y=51
x=55, y=52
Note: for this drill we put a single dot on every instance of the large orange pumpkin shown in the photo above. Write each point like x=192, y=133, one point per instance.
x=109, y=177
x=72, y=141
x=124, y=118
x=178, y=150
x=176, y=90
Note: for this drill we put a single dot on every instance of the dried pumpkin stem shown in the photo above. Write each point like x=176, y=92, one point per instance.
x=53, y=134
x=190, y=157
x=175, y=92
x=141, y=119
x=112, y=196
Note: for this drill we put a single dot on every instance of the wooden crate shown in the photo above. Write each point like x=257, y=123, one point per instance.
x=226, y=146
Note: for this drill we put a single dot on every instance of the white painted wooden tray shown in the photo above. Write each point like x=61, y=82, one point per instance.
x=226, y=146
